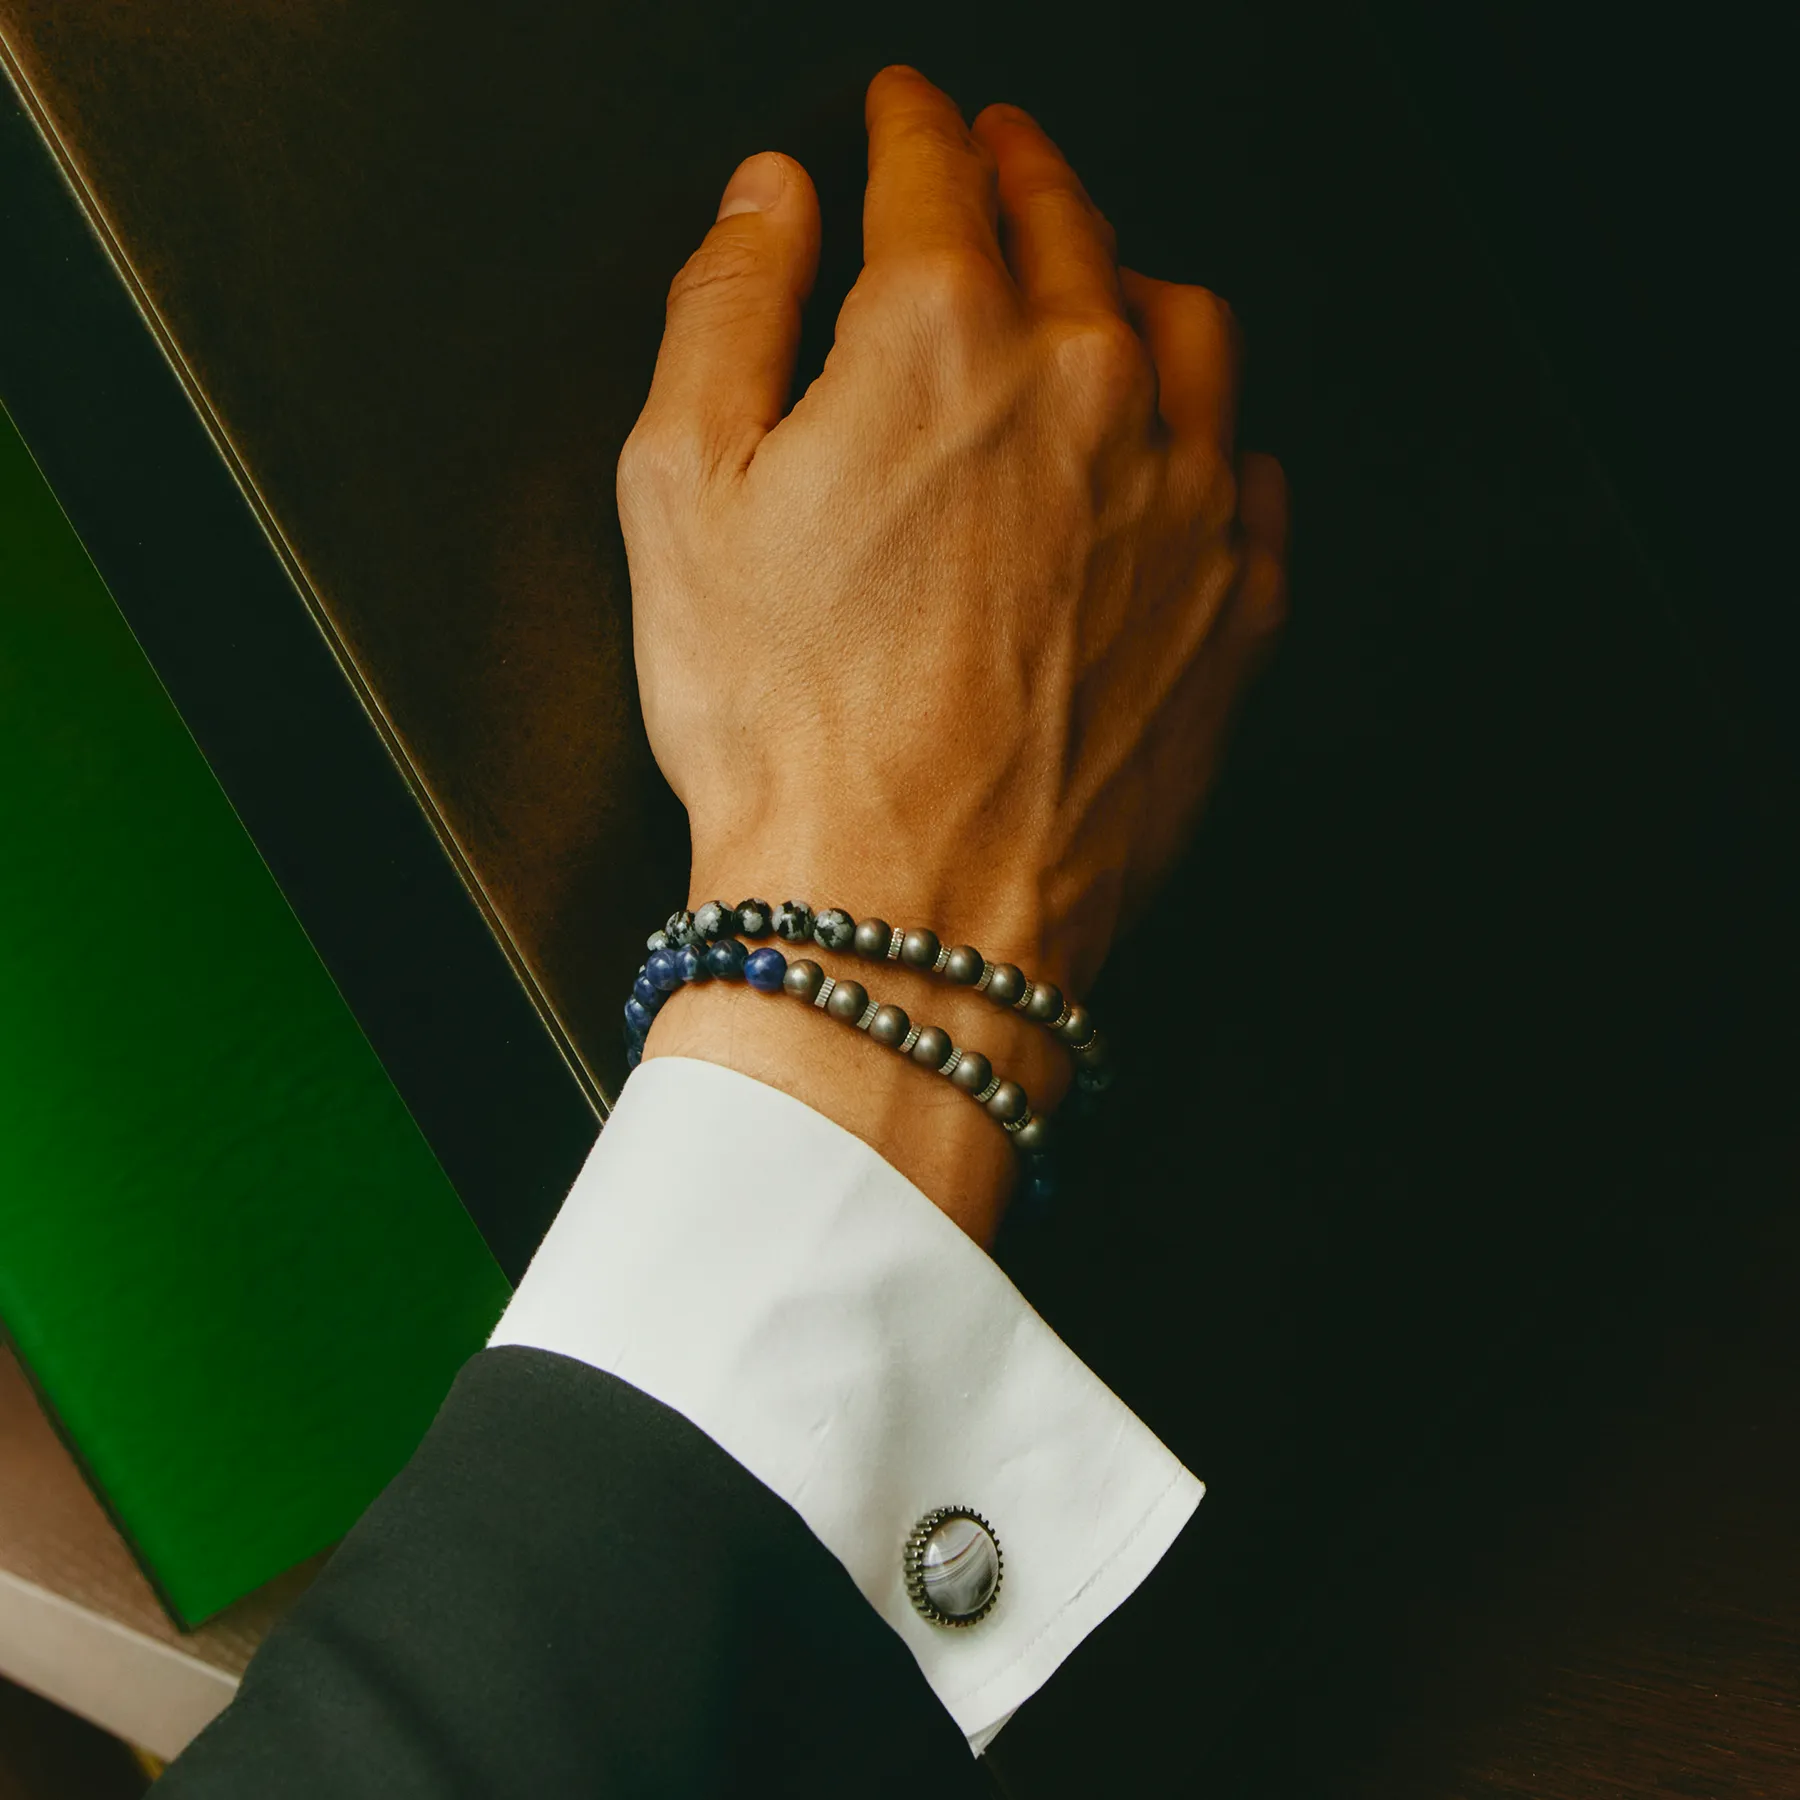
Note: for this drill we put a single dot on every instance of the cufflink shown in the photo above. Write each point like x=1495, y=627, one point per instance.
x=952, y=1565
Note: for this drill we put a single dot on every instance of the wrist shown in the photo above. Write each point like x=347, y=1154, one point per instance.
x=950, y=1146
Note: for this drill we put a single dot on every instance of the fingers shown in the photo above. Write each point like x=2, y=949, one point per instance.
x=931, y=185
x=1062, y=253
x=1195, y=343
x=726, y=365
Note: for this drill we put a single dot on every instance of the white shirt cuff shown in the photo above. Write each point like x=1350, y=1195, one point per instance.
x=751, y=1264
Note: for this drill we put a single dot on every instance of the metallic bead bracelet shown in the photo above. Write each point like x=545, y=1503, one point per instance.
x=698, y=947
x=876, y=941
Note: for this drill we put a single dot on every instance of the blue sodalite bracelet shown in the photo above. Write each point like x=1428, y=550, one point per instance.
x=705, y=945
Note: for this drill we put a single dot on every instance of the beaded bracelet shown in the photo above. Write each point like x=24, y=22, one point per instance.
x=695, y=947
x=876, y=941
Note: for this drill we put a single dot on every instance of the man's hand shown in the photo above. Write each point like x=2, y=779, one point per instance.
x=955, y=641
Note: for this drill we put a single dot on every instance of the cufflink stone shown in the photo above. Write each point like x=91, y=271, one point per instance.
x=953, y=1565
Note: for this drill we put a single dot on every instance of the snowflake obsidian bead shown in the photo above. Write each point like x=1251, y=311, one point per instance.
x=754, y=918
x=715, y=920
x=793, y=921
x=952, y=1566
x=834, y=929
x=681, y=931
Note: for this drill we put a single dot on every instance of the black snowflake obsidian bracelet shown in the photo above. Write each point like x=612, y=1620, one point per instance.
x=705, y=945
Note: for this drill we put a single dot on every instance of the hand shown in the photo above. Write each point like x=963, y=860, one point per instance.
x=956, y=640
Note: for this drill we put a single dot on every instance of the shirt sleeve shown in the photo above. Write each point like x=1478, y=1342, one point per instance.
x=745, y=1260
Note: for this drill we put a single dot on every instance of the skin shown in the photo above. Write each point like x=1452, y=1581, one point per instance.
x=955, y=642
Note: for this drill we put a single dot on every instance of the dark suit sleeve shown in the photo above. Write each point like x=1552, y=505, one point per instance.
x=570, y=1590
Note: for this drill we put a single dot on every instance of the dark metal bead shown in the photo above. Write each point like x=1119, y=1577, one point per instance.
x=1008, y=984
x=681, y=932
x=1045, y=1003
x=849, y=1000
x=726, y=959
x=872, y=938
x=803, y=979
x=1078, y=1027
x=754, y=918
x=973, y=1073
x=964, y=966
x=793, y=921
x=889, y=1026
x=1096, y=1053
x=933, y=1048
x=657, y=940
x=714, y=920
x=1008, y=1101
x=919, y=949
x=765, y=969
x=834, y=928
x=1033, y=1135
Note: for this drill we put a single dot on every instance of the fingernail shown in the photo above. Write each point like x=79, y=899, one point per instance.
x=755, y=187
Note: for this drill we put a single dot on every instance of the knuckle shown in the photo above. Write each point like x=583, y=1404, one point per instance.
x=720, y=263
x=1105, y=363
x=660, y=458
x=948, y=281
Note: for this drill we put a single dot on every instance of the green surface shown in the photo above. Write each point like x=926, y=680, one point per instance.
x=231, y=1262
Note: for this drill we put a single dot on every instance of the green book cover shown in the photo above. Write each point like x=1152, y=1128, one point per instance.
x=238, y=1276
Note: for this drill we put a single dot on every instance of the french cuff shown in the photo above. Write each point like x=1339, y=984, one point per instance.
x=750, y=1263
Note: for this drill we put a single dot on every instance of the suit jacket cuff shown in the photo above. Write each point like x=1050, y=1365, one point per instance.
x=749, y=1263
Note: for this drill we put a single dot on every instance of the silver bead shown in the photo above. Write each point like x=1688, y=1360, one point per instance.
x=802, y=979
x=973, y=1073
x=1078, y=1027
x=1094, y=1052
x=868, y=1016
x=932, y=1048
x=988, y=1092
x=849, y=1000
x=919, y=949
x=1033, y=1135
x=871, y=939
x=1008, y=984
x=889, y=1026
x=951, y=1063
x=1045, y=1004
x=1007, y=1101
x=827, y=988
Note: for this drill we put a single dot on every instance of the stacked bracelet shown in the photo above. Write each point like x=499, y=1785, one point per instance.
x=876, y=941
x=706, y=945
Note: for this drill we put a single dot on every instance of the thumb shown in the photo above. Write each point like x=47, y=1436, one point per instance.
x=726, y=365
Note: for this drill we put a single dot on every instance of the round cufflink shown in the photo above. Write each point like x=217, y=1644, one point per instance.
x=952, y=1565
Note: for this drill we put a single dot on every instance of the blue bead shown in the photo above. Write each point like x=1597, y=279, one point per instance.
x=690, y=964
x=726, y=958
x=764, y=970
x=638, y=1015
x=661, y=971
x=634, y=1054
x=647, y=993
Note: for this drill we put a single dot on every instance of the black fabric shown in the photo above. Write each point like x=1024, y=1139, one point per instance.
x=570, y=1590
